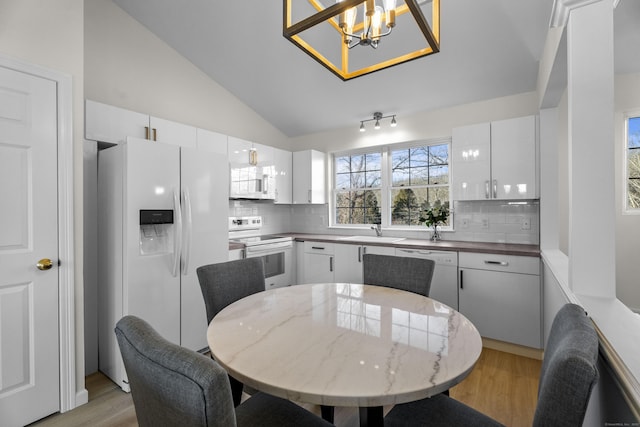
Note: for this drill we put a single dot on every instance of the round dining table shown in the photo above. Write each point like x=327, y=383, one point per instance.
x=344, y=344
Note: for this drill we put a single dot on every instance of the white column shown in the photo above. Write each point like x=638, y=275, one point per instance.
x=591, y=149
x=548, y=179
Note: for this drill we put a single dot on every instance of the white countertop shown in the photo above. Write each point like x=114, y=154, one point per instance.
x=344, y=344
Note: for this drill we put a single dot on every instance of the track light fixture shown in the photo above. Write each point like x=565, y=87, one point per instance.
x=377, y=116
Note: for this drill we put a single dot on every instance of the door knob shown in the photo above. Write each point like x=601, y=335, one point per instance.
x=44, y=264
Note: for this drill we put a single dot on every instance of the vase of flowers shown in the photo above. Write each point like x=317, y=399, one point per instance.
x=434, y=216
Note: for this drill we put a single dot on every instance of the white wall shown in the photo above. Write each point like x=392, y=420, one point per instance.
x=50, y=34
x=129, y=67
x=420, y=126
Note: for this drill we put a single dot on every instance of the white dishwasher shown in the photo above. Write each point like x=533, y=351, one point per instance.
x=444, y=285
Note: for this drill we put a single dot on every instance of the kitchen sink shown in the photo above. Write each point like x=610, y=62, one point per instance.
x=372, y=239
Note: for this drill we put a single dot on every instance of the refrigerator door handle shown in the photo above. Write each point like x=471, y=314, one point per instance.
x=177, y=236
x=186, y=251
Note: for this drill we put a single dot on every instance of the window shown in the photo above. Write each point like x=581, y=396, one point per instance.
x=418, y=175
x=633, y=162
x=390, y=186
x=358, y=180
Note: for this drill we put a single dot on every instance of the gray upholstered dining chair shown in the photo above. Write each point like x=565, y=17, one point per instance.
x=406, y=273
x=567, y=377
x=175, y=386
x=226, y=282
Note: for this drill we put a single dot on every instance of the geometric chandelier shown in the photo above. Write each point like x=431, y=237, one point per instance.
x=352, y=38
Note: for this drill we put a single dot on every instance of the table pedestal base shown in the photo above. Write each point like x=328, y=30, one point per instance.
x=327, y=413
x=372, y=416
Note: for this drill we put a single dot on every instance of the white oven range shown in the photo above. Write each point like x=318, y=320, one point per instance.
x=276, y=251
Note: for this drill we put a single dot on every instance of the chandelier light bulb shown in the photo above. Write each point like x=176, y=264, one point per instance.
x=393, y=122
x=377, y=125
x=361, y=126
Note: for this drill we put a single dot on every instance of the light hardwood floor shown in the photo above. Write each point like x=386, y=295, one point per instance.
x=502, y=385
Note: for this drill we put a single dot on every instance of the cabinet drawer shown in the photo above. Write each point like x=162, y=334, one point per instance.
x=319, y=248
x=495, y=262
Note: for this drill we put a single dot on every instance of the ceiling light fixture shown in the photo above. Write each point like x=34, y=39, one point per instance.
x=377, y=116
x=345, y=26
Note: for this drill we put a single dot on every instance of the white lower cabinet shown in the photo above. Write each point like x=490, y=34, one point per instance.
x=348, y=266
x=501, y=296
x=235, y=254
x=317, y=263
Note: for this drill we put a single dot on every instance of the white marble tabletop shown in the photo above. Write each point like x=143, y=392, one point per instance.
x=342, y=344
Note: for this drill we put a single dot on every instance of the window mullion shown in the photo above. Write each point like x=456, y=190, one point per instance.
x=385, y=187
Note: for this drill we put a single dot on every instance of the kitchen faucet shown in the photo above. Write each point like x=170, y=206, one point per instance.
x=378, y=229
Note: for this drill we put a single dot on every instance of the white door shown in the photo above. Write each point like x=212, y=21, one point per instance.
x=29, y=354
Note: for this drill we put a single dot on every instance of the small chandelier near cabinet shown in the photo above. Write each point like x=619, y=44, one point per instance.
x=330, y=34
x=377, y=116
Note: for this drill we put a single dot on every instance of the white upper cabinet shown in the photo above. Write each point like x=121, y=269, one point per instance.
x=471, y=161
x=239, y=151
x=162, y=130
x=107, y=123
x=252, y=170
x=309, y=171
x=514, y=158
x=495, y=160
x=211, y=141
x=283, y=162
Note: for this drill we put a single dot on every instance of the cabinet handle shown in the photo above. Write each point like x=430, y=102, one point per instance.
x=330, y=263
x=486, y=190
x=495, y=188
x=317, y=247
x=503, y=263
x=461, y=281
x=360, y=254
x=146, y=132
x=155, y=134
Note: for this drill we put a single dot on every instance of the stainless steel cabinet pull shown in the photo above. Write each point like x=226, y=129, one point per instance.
x=146, y=132
x=317, y=247
x=360, y=254
x=155, y=134
x=330, y=263
x=461, y=281
x=486, y=190
x=495, y=188
x=504, y=263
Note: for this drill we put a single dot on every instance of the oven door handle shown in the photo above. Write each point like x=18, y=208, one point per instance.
x=271, y=247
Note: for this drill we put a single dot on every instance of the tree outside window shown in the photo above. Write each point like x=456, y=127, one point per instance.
x=358, y=183
x=633, y=163
x=420, y=175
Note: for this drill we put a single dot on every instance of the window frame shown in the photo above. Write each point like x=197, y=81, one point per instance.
x=626, y=209
x=386, y=184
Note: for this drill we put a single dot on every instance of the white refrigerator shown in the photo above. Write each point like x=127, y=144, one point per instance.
x=162, y=213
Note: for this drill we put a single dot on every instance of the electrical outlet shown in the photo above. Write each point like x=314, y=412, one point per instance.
x=526, y=223
x=485, y=223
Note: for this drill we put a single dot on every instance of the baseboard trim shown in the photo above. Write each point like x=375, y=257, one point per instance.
x=519, y=350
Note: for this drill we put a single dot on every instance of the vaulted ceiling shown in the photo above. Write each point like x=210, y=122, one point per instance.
x=489, y=48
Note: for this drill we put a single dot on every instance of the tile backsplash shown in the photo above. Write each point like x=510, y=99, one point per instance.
x=496, y=221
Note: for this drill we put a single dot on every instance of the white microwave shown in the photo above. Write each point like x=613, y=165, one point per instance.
x=252, y=182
